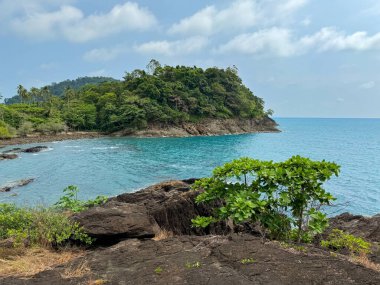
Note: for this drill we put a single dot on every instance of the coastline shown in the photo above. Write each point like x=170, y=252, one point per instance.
x=209, y=127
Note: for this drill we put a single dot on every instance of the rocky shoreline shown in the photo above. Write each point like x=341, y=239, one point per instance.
x=146, y=238
x=209, y=127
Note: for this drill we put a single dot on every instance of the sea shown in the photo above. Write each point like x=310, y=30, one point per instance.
x=110, y=166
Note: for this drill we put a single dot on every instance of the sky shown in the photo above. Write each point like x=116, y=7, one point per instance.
x=305, y=58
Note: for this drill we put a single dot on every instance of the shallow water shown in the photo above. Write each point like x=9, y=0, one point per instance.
x=109, y=166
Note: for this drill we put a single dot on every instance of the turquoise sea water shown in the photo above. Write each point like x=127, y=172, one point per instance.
x=109, y=166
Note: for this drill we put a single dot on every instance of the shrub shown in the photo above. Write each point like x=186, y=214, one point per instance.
x=69, y=201
x=6, y=131
x=338, y=240
x=25, y=129
x=39, y=226
x=275, y=195
x=51, y=127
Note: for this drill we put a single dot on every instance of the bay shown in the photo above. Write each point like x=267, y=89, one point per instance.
x=110, y=166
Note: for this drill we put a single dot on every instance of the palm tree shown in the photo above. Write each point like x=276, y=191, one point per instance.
x=22, y=93
x=34, y=94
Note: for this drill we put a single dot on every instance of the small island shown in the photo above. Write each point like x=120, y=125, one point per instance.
x=157, y=101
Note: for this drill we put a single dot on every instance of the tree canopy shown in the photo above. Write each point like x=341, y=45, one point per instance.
x=165, y=95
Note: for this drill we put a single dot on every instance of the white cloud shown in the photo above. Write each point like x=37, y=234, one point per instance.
x=121, y=18
x=104, y=54
x=330, y=39
x=43, y=25
x=170, y=48
x=368, y=85
x=275, y=41
x=70, y=22
x=306, y=22
x=281, y=42
x=239, y=15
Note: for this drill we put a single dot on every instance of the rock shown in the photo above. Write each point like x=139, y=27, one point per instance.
x=366, y=227
x=13, y=150
x=213, y=260
x=116, y=220
x=8, y=187
x=35, y=149
x=4, y=156
x=172, y=205
x=167, y=206
x=7, y=243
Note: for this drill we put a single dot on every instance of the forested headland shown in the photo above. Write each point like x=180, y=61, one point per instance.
x=160, y=95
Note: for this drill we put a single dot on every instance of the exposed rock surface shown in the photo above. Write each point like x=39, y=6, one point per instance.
x=117, y=220
x=165, y=206
x=23, y=182
x=209, y=127
x=205, y=260
x=366, y=227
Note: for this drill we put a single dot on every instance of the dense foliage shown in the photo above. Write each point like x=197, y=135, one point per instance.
x=58, y=89
x=284, y=198
x=46, y=226
x=38, y=226
x=161, y=95
x=339, y=240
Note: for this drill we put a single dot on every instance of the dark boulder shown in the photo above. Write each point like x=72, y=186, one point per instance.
x=116, y=220
x=366, y=227
x=35, y=149
x=5, y=156
x=13, y=150
x=168, y=206
x=8, y=187
x=172, y=205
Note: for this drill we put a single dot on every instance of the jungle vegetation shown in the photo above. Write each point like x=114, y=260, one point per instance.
x=163, y=95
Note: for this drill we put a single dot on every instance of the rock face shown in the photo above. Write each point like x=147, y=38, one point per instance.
x=366, y=227
x=167, y=206
x=212, y=260
x=8, y=187
x=117, y=220
x=209, y=127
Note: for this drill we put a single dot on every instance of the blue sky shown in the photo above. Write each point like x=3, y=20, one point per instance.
x=306, y=58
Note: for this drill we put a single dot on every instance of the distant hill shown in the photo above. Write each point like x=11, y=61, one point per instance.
x=160, y=101
x=58, y=89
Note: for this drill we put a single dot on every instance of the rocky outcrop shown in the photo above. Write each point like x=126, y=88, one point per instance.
x=9, y=186
x=11, y=153
x=208, y=127
x=366, y=227
x=6, y=156
x=167, y=206
x=35, y=149
x=208, y=260
x=128, y=222
x=116, y=220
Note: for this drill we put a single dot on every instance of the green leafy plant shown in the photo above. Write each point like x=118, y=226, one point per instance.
x=247, y=261
x=39, y=226
x=191, y=265
x=285, y=198
x=70, y=201
x=158, y=270
x=338, y=240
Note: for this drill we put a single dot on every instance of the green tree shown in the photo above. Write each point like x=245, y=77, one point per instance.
x=22, y=93
x=277, y=195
